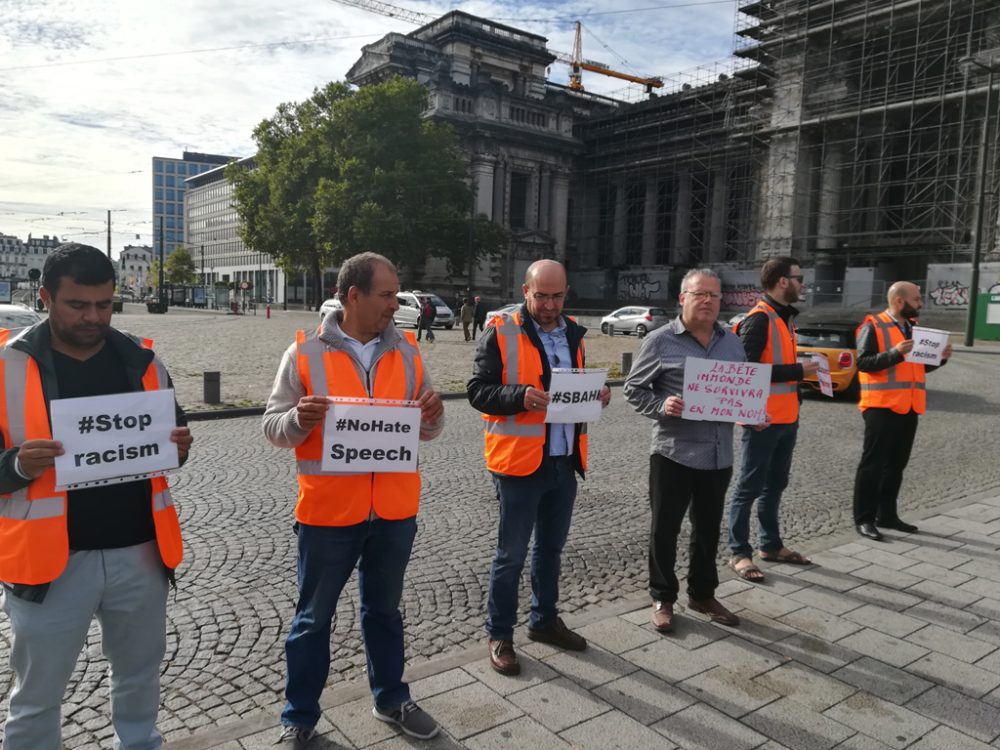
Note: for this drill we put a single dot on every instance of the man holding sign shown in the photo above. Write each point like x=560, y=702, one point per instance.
x=124, y=536
x=533, y=464
x=358, y=488
x=893, y=396
x=691, y=461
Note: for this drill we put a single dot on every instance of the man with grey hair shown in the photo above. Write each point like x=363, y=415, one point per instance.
x=692, y=461
x=346, y=520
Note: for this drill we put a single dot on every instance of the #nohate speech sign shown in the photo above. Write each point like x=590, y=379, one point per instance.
x=371, y=436
x=116, y=438
x=718, y=391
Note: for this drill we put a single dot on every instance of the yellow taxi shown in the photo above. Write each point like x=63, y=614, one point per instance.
x=834, y=340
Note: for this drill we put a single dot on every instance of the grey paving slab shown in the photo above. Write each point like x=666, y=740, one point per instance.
x=823, y=625
x=885, y=620
x=882, y=596
x=469, y=710
x=819, y=597
x=988, y=631
x=831, y=560
x=962, y=647
x=644, y=697
x=882, y=680
x=776, y=582
x=590, y=668
x=523, y=732
x=883, y=647
x=355, y=721
x=884, y=576
x=701, y=727
x=955, y=674
x=979, y=512
x=986, y=607
x=959, y=620
x=760, y=629
x=740, y=656
x=947, y=595
x=884, y=721
x=808, y=686
x=967, y=715
x=881, y=556
x=936, y=573
x=944, y=738
x=794, y=724
x=814, y=653
x=981, y=569
x=981, y=586
x=729, y=691
x=669, y=661
x=614, y=731
x=439, y=683
x=618, y=634
x=832, y=578
x=764, y=602
x=897, y=543
x=559, y=704
x=442, y=741
x=943, y=558
x=533, y=672
x=862, y=742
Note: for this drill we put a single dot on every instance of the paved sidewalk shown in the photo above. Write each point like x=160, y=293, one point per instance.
x=877, y=645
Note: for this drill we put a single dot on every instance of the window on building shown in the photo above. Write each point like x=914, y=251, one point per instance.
x=158, y=194
x=158, y=179
x=635, y=205
x=519, y=182
x=157, y=165
x=606, y=199
x=158, y=207
x=168, y=167
x=171, y=195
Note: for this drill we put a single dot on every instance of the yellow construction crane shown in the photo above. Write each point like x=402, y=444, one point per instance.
x=575, y=61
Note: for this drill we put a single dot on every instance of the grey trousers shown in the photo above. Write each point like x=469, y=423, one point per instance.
x=126, y=590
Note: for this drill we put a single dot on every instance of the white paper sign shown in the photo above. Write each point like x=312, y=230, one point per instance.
x=823, y=375
x=116, y=438
x=719, y=391
x=928, y=346
x=575, y=396
x=362, y=437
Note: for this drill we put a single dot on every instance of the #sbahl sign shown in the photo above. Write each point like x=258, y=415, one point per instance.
x=718, y=391
x=116, y=438
x=575, y=395
x=371, y=436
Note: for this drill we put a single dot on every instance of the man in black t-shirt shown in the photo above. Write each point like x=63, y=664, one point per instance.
x=68, y=557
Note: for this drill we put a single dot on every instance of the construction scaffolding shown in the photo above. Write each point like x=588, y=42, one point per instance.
x=845, y=132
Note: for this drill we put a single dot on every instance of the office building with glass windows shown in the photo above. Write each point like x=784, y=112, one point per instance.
x=169, y=186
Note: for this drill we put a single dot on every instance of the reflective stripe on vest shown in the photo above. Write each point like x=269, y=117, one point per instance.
x=328, y=498
x=783, y=401
x=901, y=387
x=515, y=443
x=34, y=540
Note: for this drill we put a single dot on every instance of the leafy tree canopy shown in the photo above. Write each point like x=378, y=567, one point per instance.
x=352, y=170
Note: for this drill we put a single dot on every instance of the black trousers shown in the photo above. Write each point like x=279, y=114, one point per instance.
x=478, y=326
x=888, y=442
x=673, y=488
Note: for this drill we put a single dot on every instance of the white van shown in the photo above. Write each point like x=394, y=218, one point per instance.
x=409, y=310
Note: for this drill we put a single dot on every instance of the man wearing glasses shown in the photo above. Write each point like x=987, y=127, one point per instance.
x=768, y=336
x=533, y=464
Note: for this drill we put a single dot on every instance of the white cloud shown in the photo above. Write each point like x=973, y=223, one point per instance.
x=90, y=90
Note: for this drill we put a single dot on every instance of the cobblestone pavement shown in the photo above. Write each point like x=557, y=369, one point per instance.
x=245, y=349
x=236, y=594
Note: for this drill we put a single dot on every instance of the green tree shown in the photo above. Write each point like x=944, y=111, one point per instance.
x=351, y=170
x=178, y=268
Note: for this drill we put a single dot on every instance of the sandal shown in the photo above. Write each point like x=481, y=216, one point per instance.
x=749, y=572
x=791, y=557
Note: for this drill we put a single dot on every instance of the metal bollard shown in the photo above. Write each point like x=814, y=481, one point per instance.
x=626, y=363
x=213, y=388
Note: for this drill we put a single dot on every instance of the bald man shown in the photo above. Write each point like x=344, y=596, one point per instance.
x=892, y=398
x=534, y=464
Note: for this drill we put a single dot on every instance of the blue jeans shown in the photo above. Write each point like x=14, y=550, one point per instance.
x=542, y=501
x=767, y=460
x=327, y=556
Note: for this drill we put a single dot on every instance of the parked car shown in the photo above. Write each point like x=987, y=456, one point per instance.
x=500, y=311
x=16, y=317
x=738, y=317
x=409, y=310
x=637, y=320
x=329, y=306
x=836, y=341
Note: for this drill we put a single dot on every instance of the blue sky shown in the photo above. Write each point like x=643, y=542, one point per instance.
x=90, y=90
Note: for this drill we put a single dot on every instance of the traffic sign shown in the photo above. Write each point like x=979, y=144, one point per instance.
x=244, y=285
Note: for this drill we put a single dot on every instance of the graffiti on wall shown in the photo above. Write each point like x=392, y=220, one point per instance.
x=739, y=295
x=950, y=294
x=639, y=286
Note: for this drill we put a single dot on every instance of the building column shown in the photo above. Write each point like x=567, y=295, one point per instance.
x=829, y=197
x=719, y=213
x=620, y=226
x=682, y=221
x=560, y=213
x=499, y=190
x=482, y=183
x=544, y=198
x=649, y=223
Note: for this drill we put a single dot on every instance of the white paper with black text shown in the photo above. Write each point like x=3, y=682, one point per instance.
x=928, y=346
x=575, y=395
x=718, y=391
x=371, y=436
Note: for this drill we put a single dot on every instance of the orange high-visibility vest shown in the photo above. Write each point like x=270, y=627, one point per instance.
x=338, y=499
x=783, y=403
x=515, y=444
x=34, y=539
x=900, y=387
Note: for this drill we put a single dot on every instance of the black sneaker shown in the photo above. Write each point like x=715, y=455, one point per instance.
x=410, y=718
x=297, y=738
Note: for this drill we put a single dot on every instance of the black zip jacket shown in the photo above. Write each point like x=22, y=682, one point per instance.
x=753, y=331
x=490, y=395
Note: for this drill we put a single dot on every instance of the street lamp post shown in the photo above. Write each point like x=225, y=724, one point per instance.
x=977, y=242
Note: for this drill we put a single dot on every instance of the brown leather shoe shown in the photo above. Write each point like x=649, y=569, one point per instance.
x=715, y=611
x=503, y=659
x=557, y=634
x=662, y=617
